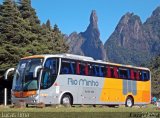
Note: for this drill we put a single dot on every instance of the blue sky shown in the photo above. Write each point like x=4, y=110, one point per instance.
x=73, y=15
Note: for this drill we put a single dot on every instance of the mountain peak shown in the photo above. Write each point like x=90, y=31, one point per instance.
x=92, y=29
x=129, y=18
x=93, y=18
x=87, y=42
x=128, y=14
x=156, y=12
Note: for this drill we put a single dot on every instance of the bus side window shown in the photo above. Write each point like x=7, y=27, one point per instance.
x=65, y=67
x=124, y=73
x=72, y=67
x=145, y=76
x=141, y=76
x=132, y=76
x=115, y=72
x=128, y=74
x=108, y=72
x=78, y=68
x=112, y=72
x=104, y=72
x=95, y=70
x=82, y=69
x=68, y=67
x=148, y=76
x=101, y=71
x=98, y=71
x=137, y=75
x=90, y=70
x=86, y=69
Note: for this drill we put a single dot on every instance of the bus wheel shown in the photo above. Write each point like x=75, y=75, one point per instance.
x=129, y=102
x=66, y=100
x=27, y=105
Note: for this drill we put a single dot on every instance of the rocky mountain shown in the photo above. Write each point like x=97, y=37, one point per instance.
x=128, y=44
x=88, y=43
x=134, y=42
x=152, y=30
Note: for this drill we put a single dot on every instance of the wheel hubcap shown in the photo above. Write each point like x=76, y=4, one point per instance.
x=66, y=100
x=129, y=102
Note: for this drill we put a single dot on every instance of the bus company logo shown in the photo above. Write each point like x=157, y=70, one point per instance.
x=82, y=82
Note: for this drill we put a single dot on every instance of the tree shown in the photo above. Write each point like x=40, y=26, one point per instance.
x=10, y=34
x=155, y=70
x=59, y=42
x=28, y=13
x=56, y=29
x=22, y=35
x=48, y=24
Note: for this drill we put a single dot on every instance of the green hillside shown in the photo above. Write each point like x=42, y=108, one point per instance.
x=21, y=34
x=155, y=75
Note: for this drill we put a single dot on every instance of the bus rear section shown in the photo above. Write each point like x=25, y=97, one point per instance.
x=129, y=86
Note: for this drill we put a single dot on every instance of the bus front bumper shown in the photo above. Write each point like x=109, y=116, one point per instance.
x=27, y=100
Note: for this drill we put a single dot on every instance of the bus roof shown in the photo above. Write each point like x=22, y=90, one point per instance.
x=82, y=58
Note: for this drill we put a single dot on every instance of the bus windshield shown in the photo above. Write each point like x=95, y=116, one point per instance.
x=23, y=77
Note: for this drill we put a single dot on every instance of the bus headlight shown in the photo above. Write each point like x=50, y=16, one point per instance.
x=33, y=96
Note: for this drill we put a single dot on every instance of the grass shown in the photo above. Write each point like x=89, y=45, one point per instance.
x=87, y=111
x=148, y=108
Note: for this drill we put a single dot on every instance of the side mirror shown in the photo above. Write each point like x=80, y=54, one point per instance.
x=7, y=72
x=36, y=71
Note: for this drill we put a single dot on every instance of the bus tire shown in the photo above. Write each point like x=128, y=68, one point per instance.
x=129, y=102
x=66, y=100
x=112, y=106
x=27, y=105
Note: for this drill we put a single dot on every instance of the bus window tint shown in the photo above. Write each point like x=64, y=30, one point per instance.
x=111, y=72
x=148, y=75
x=141, y=77
x=108, y=71
x=135, y=75
x=115, y=72
x=68, y=67
x=103, y=71
x=77, y=68
x=90, y=70
x=82, y=68
x=95, y=70
x=138, y=75
x=144, y=76
x=73, y=67
x=123, y=73
x=132, y=75
x=86, y=69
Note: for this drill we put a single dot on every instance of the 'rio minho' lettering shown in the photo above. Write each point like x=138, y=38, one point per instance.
x=82, y=82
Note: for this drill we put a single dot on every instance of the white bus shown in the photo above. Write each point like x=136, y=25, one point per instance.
x=72, y=79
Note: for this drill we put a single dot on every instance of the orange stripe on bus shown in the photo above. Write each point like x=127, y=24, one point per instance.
x=24, y=94
x=35, y=56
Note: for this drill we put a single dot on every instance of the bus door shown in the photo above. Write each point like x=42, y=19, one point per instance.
x=49, y=75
